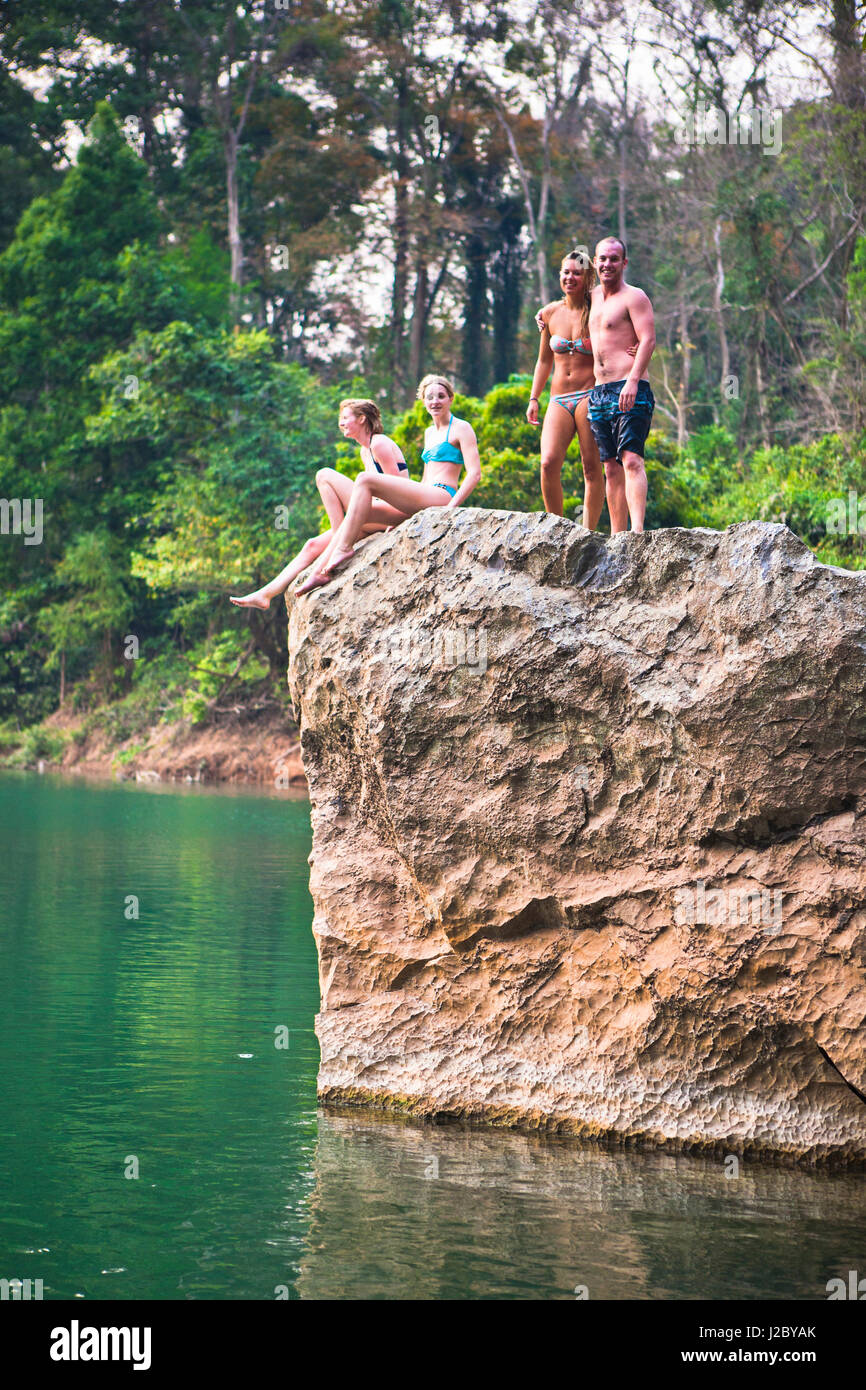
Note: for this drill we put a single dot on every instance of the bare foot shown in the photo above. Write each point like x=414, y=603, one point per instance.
x=315, y=581
x=337, y=558
x=257, y=600
x=325, y=573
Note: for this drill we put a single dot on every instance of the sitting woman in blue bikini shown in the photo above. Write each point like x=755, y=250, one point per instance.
x=565, y=347
x=449, y=447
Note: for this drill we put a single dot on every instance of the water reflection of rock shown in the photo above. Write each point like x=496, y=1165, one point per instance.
x=423, y=1212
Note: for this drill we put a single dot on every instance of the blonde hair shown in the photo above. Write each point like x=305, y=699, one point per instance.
x=588, y=269
x=429, y=380
x=368, y=410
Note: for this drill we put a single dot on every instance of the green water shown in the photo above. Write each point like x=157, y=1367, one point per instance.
x=154, y=1038
x=148, y=1045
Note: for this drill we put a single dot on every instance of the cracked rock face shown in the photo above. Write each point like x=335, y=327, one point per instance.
x=588, y=822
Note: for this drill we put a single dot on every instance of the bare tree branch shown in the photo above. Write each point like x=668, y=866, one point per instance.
x=852, y=231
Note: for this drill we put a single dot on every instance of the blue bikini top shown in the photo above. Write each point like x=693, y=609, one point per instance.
x=444, y=452
x=560, y=344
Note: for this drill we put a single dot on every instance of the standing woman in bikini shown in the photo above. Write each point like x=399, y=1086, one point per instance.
x=359, y=420
x=565, y=347
x=449, y=447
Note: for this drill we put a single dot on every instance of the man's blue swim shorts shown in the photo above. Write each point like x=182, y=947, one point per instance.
x=615, y=430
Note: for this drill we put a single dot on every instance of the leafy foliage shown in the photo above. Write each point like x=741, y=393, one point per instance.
x=268, y=202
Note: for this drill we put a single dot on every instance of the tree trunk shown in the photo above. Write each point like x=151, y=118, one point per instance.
x=268, y=632
x=401, y=246
x=759, y=386
x=848, y=55
x=473, y=363
x=507, y=280
x=718, y=293
x=543, y=201
x=685, y=376
x=418, y=333
x=147, y=119
x=622, y=230
x=534, y=223
x=506, y=314
x=234, y=225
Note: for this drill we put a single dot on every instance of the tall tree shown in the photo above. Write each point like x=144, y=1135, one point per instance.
x=411, y=72
x=549, y=62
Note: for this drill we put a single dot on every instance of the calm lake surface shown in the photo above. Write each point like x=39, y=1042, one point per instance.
x=147, y=1044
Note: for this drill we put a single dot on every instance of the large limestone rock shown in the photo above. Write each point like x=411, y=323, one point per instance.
x=588, y=825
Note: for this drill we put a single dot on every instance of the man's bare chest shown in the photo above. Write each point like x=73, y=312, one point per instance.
x=610, y=320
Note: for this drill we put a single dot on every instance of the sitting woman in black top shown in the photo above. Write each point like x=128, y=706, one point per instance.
x=359, y=420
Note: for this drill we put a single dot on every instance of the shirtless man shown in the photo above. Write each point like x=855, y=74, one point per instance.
x=622, y=332
x=620, y=406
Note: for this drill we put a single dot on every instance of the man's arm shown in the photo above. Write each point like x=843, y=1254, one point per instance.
x=641, y=313
x=540, y=317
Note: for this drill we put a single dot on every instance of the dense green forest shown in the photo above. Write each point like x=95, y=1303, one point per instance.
x=219, y=218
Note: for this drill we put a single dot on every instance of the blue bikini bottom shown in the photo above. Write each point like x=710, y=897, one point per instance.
x=571, y=400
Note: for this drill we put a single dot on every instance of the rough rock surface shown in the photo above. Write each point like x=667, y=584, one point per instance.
x=588, y=822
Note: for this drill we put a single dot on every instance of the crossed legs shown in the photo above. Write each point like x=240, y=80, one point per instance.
x=373, y=493
x=335, y=490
